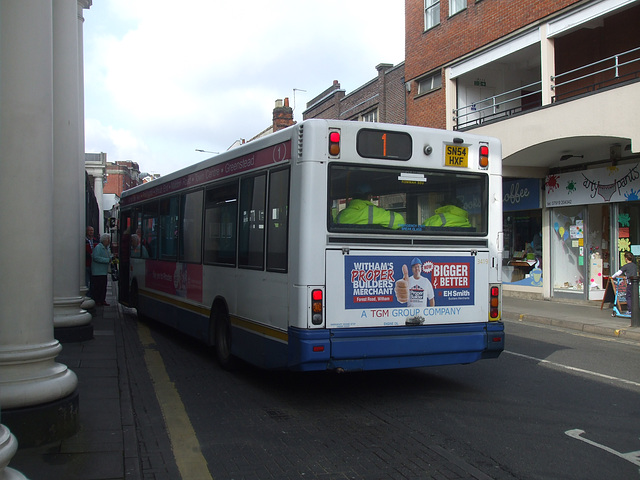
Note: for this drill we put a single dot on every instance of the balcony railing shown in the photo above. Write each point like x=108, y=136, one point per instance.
x=585, y=79
x=597, y=75
x=500, y=105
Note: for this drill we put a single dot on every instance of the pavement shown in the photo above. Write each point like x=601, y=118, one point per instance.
x=120, y=440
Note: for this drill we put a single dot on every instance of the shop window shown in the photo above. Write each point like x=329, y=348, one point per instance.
x=628, y=231
x=522, y=232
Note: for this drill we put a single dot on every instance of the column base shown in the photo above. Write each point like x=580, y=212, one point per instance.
x=88, y=303
x=67, y=312
x=80, y=333
x=11, y=474
x=8, y=447
x=42, y=424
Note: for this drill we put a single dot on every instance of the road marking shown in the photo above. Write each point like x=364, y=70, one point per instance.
x=575, y=369
x=184, y=443
x=633, y=457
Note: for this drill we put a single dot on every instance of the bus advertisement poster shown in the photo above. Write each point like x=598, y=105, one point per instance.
x=181, y=279
x=408, y=281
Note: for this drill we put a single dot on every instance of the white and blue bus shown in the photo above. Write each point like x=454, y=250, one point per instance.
x=329, y=245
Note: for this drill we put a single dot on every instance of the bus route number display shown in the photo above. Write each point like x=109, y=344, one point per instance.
x=384, y=144
x=456, y=156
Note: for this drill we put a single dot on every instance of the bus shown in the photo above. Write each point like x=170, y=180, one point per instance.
x=329, y=245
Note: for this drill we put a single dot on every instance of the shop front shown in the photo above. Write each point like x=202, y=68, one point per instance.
x=522, y=229
x=594, y=220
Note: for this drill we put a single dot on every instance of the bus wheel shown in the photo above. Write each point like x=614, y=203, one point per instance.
x=223, y=341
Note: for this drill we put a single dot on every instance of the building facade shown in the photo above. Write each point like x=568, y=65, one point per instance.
x=121, y=176
x=382, y=99
x=558, y=82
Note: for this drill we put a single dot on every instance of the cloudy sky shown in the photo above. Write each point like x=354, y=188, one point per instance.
x=165, y=78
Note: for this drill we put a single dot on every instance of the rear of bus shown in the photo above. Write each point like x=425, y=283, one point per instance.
x=395, y=247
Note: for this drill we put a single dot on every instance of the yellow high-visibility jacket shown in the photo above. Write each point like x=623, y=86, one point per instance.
x=363, y=212
x=449, y=216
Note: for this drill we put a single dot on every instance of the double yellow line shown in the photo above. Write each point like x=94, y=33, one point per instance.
x=184, y=442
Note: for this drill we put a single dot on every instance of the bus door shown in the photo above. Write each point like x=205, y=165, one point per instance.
x=406, y=288
x=124, y=255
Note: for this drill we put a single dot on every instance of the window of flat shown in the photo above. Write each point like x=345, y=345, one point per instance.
x=251, y=234
x=429, y=83
x=371, y=116
x=221, y=207
x=456, y=6
x=191, y=231
x=431, y=13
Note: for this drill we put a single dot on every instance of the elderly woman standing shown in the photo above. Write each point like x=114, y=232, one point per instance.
x=101, y=257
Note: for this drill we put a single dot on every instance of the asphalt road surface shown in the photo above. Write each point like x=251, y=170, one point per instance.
x=555, y=405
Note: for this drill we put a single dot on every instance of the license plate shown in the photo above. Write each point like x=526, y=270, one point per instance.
x=456, y=156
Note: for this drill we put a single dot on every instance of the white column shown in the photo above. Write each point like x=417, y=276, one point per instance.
x=87, y=302
x=97, y=189
x=29, y=375
x=547, y=65
x=8, y=448
x=66, y=133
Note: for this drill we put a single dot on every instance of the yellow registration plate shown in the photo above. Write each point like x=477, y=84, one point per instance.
x=456, y=156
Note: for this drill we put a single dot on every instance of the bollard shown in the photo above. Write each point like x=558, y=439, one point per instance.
x=635, y=308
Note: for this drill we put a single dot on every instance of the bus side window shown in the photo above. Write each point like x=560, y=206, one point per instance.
x=221, y=206
x=252, y=209
x=278, y=221
x=150, y=228
x=169, y=228
x=191, y=231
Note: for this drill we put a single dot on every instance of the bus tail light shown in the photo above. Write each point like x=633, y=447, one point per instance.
x=494, y=303
x=484, y=156
x=334, y=143
x=316, y=307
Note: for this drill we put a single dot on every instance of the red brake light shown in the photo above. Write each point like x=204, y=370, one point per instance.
x=484, y=156
x=494, y=303
x=334, y=143
x=316, y=307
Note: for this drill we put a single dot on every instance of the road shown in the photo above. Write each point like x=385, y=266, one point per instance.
x=555, y=405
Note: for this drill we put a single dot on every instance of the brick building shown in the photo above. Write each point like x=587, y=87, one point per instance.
x=121, y=176
x=558, y=82
x=380, y=100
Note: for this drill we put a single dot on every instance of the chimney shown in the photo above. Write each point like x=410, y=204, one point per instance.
x=282, y=115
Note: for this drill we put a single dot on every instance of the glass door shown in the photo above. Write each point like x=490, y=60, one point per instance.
x=569, y=255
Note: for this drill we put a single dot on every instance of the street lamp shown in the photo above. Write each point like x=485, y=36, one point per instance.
x=206, y=151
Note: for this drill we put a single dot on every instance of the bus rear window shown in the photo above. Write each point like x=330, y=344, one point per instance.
x=396, y=200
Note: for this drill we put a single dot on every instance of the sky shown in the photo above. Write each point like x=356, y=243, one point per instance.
x=165, y=78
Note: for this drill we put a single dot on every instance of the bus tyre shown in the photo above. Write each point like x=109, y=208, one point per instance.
x=223, y=342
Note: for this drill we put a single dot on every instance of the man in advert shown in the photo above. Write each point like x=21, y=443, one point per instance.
x=415, y=291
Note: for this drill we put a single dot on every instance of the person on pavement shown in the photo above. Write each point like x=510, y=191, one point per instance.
x=100, y=260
